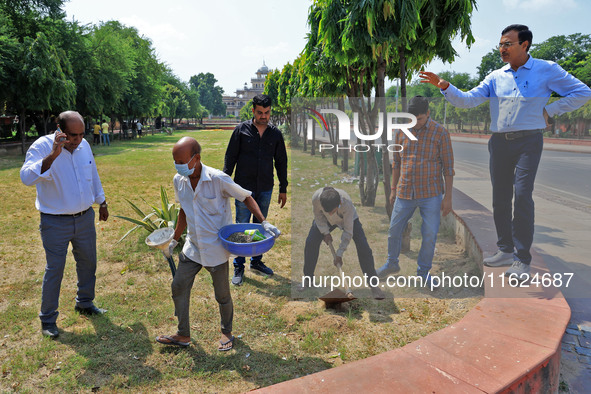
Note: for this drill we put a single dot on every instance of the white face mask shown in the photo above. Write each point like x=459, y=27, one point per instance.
x=183, y=169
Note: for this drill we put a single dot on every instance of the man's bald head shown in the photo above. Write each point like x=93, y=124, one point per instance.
x=67, y=117
x=186, y=145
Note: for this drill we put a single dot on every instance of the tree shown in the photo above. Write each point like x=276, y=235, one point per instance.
x=490, y=62
x=559, y=48
x=272, y=90
x=41, y=81
x=196, y=110
x=210, y=95
x=378, y=38
x=246, y=111
x=114, y=67
x=24, y=18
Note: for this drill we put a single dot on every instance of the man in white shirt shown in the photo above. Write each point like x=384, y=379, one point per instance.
x=62, y=168
x=204, y=195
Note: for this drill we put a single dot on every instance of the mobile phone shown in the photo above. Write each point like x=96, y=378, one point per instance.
x=59, y=131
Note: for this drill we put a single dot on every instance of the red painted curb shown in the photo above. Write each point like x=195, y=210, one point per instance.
x=502, y=345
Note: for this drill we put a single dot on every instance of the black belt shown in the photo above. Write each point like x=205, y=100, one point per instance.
x=74, y=215
x=513, y=135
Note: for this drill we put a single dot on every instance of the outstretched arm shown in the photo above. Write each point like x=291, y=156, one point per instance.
x=433, y=79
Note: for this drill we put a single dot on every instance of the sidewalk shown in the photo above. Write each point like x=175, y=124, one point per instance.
x=556, y=144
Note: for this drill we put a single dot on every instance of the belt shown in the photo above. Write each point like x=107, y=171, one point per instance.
x=74, y=215
x=513, y=135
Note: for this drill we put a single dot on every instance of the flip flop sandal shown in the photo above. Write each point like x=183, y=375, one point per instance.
x=168, y=340
x=231, y=341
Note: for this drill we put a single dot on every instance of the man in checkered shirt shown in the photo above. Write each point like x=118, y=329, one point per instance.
x=422, y=176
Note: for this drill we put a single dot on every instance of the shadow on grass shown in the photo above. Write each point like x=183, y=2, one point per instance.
x=251, y=365
x=116, y=355
x=283, y=288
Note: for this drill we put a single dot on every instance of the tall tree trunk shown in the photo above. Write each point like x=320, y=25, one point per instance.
x=22, y=127
x=345, y=166
x=381, y=97
x=402, y=78
x=405, y=245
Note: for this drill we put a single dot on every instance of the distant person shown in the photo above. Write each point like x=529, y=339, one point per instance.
x=52, y=126
x=139, y=126
x=422, y=177
x=334, y=208
x=204, y=196
x=105, y=133
x=254, y=147
x=96, y=134
x=54, y=164
x=518, y=95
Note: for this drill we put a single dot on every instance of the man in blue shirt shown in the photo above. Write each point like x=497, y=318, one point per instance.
x=518, y=95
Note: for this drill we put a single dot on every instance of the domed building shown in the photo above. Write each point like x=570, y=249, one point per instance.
x=257, y=86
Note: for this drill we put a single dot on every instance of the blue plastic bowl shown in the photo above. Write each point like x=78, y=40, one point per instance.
x=245, y=249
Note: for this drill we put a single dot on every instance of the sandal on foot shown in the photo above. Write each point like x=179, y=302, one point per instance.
x=168, y=340
x=229, y=341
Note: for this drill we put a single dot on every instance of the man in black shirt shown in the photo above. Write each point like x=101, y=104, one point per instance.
x=253, y=147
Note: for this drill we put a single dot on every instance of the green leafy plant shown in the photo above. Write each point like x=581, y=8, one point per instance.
x=166, y=216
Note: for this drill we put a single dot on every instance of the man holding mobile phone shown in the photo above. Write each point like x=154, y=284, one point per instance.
x=62, y=168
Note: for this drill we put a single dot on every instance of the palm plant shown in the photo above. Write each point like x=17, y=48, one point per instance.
x=166, y=216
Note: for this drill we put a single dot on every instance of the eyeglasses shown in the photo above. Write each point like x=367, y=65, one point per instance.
x=507, y=44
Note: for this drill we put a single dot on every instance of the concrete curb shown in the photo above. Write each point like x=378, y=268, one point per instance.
x=508, y=344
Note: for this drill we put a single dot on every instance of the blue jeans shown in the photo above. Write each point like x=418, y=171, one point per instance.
x=402, y=212
x=243, y=215
x=106, y=139
x=56, y=233
x=513, y=168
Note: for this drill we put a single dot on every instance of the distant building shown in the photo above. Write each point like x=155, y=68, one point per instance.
x=235, y=103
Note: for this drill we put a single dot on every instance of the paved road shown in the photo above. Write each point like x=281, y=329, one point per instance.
x=563, y=213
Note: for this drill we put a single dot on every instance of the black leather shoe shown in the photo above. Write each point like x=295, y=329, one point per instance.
x=91, y=310
x=49, y=330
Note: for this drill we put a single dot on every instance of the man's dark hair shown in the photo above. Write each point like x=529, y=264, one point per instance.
x=418, y=105
x=261, y=99
x=329, y=199
x=523, y=33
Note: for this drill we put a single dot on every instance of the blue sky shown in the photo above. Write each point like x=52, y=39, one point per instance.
x=230, y=38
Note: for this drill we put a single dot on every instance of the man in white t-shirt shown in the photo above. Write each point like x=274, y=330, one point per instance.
x=204, y=195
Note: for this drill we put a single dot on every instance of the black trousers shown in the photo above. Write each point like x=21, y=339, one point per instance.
x=315, y=238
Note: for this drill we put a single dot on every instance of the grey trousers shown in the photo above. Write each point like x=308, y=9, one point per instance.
x=181, y=293
x=56, y=233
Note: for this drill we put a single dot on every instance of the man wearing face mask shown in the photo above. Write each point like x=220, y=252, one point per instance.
x=62, y=168
x=333, y=208
x=204, y=195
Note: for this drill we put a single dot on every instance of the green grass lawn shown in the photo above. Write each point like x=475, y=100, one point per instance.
x=278, y=338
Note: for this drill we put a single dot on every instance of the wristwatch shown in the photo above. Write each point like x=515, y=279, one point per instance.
x=104, y=204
